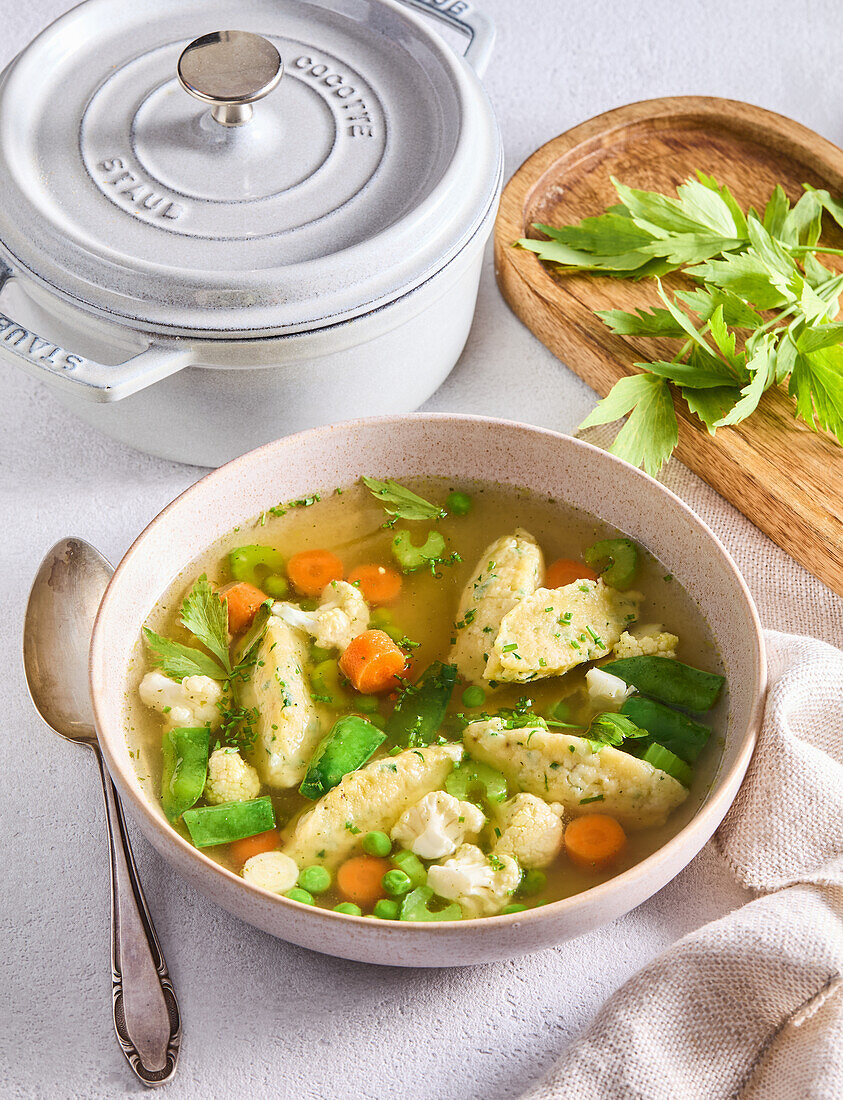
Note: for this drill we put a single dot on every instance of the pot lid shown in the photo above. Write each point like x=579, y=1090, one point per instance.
x=309, y=166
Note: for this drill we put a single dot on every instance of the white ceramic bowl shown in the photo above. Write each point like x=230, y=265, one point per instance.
x=458, y=447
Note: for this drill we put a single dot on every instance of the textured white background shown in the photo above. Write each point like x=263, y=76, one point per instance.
x=261, y=1017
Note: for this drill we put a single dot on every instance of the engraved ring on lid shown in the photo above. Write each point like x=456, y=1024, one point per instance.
x=231, y=70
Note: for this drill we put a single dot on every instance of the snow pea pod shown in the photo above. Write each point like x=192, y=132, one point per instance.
x=347, y=747
x=209, y=825
x=416, y=907
x=421, y=709
x=616, y=560
x=669, y=681
x=185, y=767
x=670, y=728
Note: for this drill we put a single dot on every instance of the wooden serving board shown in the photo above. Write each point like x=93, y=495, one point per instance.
x=786, y=478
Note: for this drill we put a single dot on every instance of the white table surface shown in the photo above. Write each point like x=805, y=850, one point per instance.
x=263, y=1018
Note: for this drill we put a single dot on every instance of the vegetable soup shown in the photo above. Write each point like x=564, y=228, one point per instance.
x=427, y=702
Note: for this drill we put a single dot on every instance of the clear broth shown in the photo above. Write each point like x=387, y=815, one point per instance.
x=351, y=524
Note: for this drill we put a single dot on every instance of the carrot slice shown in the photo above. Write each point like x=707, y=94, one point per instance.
x=594, y=841
x=359, y=878
x=378, y=583
x=310, y=570
x=243, y=600
x=565, y=571
x=249, y=846
x=372, y=661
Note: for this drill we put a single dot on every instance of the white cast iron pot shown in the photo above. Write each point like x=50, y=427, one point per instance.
x=461, y=448
x=195, y=275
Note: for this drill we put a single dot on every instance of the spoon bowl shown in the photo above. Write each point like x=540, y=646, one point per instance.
x=63, y=604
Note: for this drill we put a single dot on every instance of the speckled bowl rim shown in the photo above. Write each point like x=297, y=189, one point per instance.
x=691, y=837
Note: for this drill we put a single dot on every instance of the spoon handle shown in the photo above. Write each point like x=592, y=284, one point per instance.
x=146, y=1013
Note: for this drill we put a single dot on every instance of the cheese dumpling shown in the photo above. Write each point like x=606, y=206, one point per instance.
x=508, y=571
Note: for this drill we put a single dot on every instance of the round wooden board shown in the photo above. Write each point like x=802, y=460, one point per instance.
x=785, y=477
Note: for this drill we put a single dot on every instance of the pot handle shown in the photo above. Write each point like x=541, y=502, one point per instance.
x=93, y=381
x=461, y=14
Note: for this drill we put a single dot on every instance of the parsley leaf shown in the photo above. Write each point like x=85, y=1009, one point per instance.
x=746, y=265
x=817, y=384
x=656, y=322
x=651, y=432
x=711, y=405
x=204, y=613
x=402, y=502
x=177, y=660
x=762, y=367
x=610, y=728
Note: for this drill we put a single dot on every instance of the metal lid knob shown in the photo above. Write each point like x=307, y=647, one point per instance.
x=231, y=70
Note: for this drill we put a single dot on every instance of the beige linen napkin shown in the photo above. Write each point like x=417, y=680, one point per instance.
x=751, y=1005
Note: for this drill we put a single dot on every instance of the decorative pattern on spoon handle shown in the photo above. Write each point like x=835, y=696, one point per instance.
x=146, y=1012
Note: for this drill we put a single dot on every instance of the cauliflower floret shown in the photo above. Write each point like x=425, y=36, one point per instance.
x=342, y=614
x=565, y=769
x=481, y=884
x=230, y=778
x=532, y=830
x=605, y=691
x=555, y=629
x=193, y=702
x=510, y=569
x=646, y=641
x=437, y=825
x=271, y=870
x=367, y=800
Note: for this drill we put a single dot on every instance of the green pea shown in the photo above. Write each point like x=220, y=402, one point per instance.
x=386, y=909
x=315, y=879
x=326, y=682
x=381, y=619
x=474, y=696
x=297, y=894
x=516, y=907
x=396, y=882
x=459, y=504
x=276, y=586
x=376, y=844
x=412, y=866
x=350, y=908
x=318, y=654
x=532, y=882
x=255, y=564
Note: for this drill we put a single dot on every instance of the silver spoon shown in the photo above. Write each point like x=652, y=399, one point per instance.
x=63, y=603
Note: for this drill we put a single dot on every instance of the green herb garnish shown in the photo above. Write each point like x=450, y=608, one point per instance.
x=759, y=279
x=205, y=614
x=401, y=502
